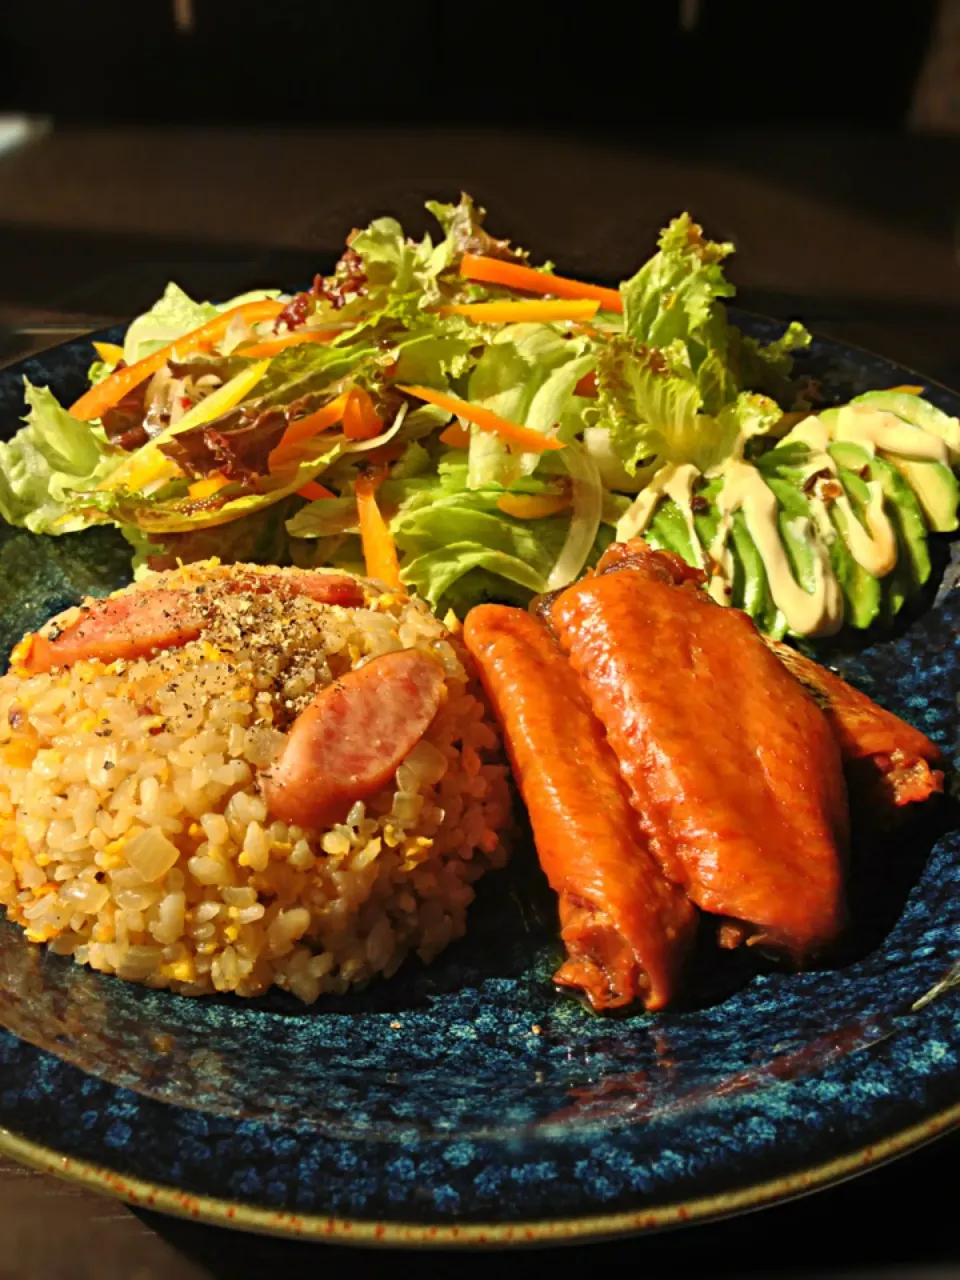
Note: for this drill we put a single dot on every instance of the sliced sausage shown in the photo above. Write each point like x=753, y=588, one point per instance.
x=627, y=930
x=127, y=626
x=322, y=588
x=141, y=622
x=348, y=743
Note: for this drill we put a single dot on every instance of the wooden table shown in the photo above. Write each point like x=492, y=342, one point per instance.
x=858, y=235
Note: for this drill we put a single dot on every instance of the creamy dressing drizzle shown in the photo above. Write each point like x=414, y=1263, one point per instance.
x=721, y=558
x=815, y=613
x=640, y=512
x=679, y=487
x=873, y=545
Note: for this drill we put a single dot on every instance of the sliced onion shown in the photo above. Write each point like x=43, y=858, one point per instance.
x=585, y=521
x=613, y=474
x=363, y=446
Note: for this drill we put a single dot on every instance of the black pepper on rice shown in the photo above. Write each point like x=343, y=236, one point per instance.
x=134, y=835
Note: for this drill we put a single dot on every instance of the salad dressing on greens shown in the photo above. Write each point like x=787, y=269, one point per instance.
x=498, y=425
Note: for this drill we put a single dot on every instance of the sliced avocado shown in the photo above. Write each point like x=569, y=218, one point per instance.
x=913, y=556
x=936, y=489
x=862, y=592
x=793, y=507
x=754, y=597
x=784, y=470
x=918, y=412
x=707, y=519
x=749, y=590
x=668, y=531
x=933, y=482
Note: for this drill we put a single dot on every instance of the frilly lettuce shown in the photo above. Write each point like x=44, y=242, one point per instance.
x=52, y=460
x=527, y=374
x=654, y=417
x=674, y=304
x=175, y=314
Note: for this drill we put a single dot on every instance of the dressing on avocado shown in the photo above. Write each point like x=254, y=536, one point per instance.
x=835, y=512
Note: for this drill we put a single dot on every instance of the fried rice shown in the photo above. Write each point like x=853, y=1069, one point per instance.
x=134, y=832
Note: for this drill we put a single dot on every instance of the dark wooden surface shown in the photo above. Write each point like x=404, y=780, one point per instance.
x=857, y=234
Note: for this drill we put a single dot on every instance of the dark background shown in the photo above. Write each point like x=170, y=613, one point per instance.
x=616, y=70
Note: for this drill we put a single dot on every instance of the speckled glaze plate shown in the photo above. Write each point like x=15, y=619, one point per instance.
x=468, y=1103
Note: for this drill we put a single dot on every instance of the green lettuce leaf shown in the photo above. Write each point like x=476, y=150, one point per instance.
x=527, y=374
x=48, y=464
x=675, y=304
x=175, y=314
x=444, y=530
x=654, y=417
x=769, y=367
x=464, y=232
x=674, y=295
x=99, y=370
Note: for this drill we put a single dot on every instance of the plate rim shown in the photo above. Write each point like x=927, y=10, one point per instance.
x=593, y=1228
x=141, y=1193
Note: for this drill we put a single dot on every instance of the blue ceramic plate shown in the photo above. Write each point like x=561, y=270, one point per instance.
x=468, y=1102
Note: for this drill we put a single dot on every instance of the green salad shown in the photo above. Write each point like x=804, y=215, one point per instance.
x=446, y=416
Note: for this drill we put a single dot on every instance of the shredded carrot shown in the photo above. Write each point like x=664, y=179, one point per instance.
x=274, y=345
x=210, y=485
x=379, y=548
x=533, y=506
x=456, y=437
x=95, y=402
x=907, y=390
x=486, y=420
x=304, y=428
x=313, y=491
x=360, y=419
x=520, y=312
x=514, y=276
x=587, y=386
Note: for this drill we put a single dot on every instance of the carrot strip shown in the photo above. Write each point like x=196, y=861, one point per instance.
x=275, y=345
x=304, y=428
x=520, y=312
x=379, y=548
x=455, y=436
x=587, y=386
x=95, y=402
x=514, y=276
x=908, y=390
x=486, y=420
x=360, y=419
x=533, y=506
x=313, y=491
